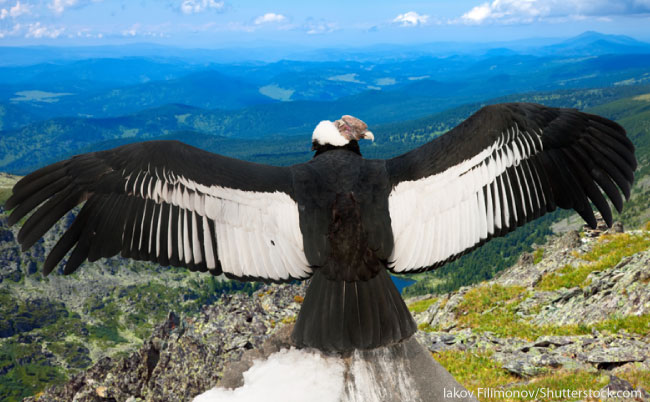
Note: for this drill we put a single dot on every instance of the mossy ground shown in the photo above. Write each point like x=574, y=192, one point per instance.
x=474, y=370
x=7, y=182
x=609, y=251
x=421, y=305
x=478, y=372
x=493, y=308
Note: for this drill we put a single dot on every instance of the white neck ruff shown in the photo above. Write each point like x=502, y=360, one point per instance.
x=326, y=133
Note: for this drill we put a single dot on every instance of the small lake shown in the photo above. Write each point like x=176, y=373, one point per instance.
x=401, y=283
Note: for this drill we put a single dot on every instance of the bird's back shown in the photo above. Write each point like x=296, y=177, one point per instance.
x=347, y=196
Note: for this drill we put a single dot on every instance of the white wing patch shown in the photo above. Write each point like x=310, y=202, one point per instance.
x=442, y=215
x=257, y=234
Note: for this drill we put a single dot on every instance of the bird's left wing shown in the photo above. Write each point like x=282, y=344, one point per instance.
x=504, y=166
x=170, y=203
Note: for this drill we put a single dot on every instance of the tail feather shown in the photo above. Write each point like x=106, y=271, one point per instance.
x=342, y=316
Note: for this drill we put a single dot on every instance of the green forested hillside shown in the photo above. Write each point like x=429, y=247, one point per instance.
x=45, y=142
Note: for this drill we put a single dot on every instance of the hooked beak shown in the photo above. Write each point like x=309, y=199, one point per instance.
x=368, y=135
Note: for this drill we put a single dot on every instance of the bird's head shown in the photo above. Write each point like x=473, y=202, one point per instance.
x=343, y=132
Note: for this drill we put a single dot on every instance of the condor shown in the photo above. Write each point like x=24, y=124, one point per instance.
x=341, y=220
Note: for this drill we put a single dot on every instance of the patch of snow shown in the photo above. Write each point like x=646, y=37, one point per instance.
x=286, y=376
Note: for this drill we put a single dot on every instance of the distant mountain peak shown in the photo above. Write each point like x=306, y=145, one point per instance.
x=593, y=36
x=592, y=43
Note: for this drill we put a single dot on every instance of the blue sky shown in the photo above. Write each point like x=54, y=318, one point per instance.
x=222, y=23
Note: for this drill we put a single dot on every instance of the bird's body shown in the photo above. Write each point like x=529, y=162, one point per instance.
x=351, y=301
x=352, y=236
x=339, y=219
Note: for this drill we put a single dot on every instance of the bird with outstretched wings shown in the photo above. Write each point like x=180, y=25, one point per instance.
x=339, y=219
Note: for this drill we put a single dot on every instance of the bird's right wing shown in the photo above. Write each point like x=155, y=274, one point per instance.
x=504, y=166
x=170, y=203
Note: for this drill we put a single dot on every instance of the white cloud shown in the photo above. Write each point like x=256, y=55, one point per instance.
x=59, y=6
x=270, y=17
x=14, y=31
x=15, y=11
x=478, y=14
x=37, y=31
x=132, y=31
x=411, y=19
x=199, y=6
x=527, y=11
x=317, y=27
x=85, y=33
x=151, y=31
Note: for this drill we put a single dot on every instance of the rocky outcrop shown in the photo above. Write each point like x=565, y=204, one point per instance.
x=530, y=358
x=185, y=357
x=620, y=290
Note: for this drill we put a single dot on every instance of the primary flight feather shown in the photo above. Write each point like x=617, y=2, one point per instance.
x=339, y=219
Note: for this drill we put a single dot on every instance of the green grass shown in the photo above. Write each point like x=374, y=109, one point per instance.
x=477, y=372
x=638, y=324
x=5, y=193
x=474, y=370
x=538, y=254
x=493, y=308
x=566, y=277
x=611, y=248
x=426, y=327
x=421, y=305
x=6, y=184
x=608, y=252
